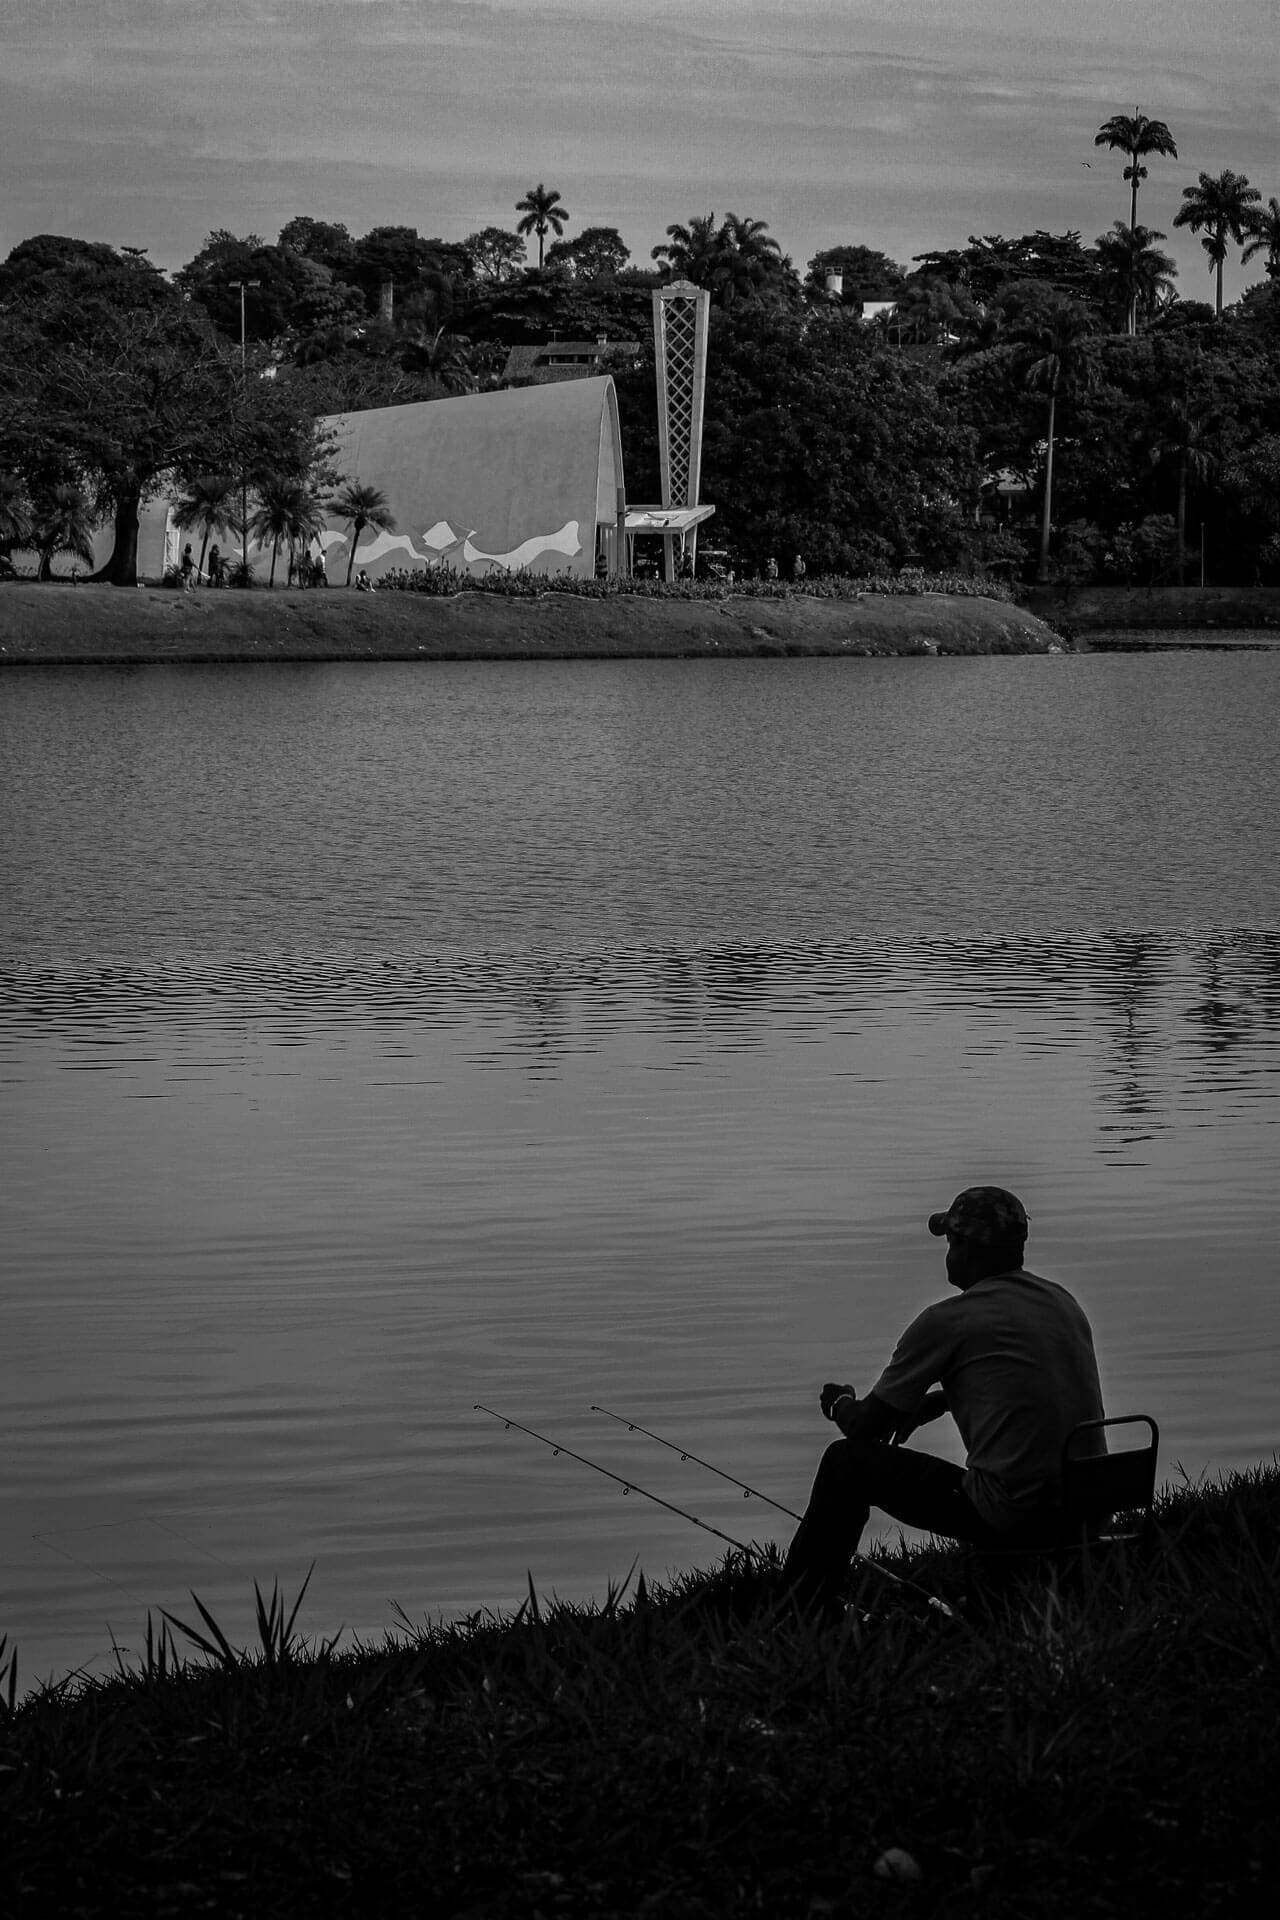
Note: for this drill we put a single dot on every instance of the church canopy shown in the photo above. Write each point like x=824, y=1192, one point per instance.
x=521, y=478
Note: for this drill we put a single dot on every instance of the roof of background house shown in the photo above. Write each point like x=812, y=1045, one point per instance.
x=550, y=360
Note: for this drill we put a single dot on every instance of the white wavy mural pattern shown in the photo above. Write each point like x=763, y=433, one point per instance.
x=565, y=540
x=388, y=543
x=441, y=539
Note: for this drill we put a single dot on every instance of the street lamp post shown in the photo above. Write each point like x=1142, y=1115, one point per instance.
x=243, y=285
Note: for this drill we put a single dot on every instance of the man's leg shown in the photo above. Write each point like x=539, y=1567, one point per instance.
x=916, y=1488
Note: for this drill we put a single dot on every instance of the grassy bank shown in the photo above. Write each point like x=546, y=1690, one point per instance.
x=1106, y=1748
x=55, y=622
x=1095, y=610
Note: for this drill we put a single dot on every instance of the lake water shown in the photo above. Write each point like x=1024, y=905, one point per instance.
x=378, y=1040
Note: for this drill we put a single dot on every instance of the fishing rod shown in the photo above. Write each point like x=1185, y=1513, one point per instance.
x=748, y=1493
x=628, y=1486
x=633, y=1426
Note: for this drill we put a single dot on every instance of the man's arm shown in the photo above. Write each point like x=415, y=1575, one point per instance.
x=865, y=1420
x=873, y=1419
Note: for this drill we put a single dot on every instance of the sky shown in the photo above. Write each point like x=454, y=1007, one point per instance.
x=898, y=124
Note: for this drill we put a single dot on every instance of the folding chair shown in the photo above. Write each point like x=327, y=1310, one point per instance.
x=1096, y=1486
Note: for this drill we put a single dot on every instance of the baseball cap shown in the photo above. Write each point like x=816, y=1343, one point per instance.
x=988, y=1215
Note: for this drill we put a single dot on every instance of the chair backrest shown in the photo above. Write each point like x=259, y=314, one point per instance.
x=1097, y=1484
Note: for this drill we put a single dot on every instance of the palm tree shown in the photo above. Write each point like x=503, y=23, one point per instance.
x=361, y=506
x=1221, y=209
x=1264, y=227
x=750, y=258
x=1135, y=135
x=542, y=210
x=739, y=259
x=692, y=252
x=1137, y=277
x=1052, y=349
x=15, y=512
x=208, y=503
x=287, y=510
x=64, y=523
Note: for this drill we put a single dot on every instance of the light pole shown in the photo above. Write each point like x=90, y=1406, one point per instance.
x=243, y=285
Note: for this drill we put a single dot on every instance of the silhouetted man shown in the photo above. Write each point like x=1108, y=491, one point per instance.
x=1011, y=1360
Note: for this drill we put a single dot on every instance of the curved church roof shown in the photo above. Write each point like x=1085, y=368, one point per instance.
x=517, y=478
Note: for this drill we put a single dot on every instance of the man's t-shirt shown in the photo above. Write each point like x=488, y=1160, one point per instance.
x=1014, y=1356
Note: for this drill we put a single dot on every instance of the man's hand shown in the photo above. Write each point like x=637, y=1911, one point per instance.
x=832, y=1392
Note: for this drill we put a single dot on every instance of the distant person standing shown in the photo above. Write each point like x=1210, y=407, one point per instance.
x=215, y=565
x=771, y=568
x=188, y=568
x=797, y=568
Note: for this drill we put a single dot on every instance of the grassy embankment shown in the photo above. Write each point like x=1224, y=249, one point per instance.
x=1139, y=618
x=1108, y=1748
x=56, y=622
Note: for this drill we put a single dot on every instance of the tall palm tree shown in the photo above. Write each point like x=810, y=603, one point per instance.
x=1220, y=208
x=1136, y=276
x=1264, y=228
x=1135, y=135
x=542, y=211
x=64, y=523
x=287, y=510
x=210, y=504
x=1053, y=351
x=361, y=506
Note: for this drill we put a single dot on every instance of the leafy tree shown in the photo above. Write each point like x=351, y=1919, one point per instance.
x=1263, y=228
x=325, y=242
x=393, y=264
x=1218, y=207
x=1136, y=277
x=213, y=277
x=64, y=522
x=542, y=213
x=818, y=441
x=867, y=275
x=361, y=506
x=15, y=512
x=494, y=253
x=114, y=382
x=597, y=253
x=931, y=311
x=990, y=265
x=1136, y=136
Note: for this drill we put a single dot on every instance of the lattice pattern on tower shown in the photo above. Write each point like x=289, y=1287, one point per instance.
x=680, y=355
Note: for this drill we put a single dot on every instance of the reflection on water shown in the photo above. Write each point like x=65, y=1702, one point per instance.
x=569, y=1047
